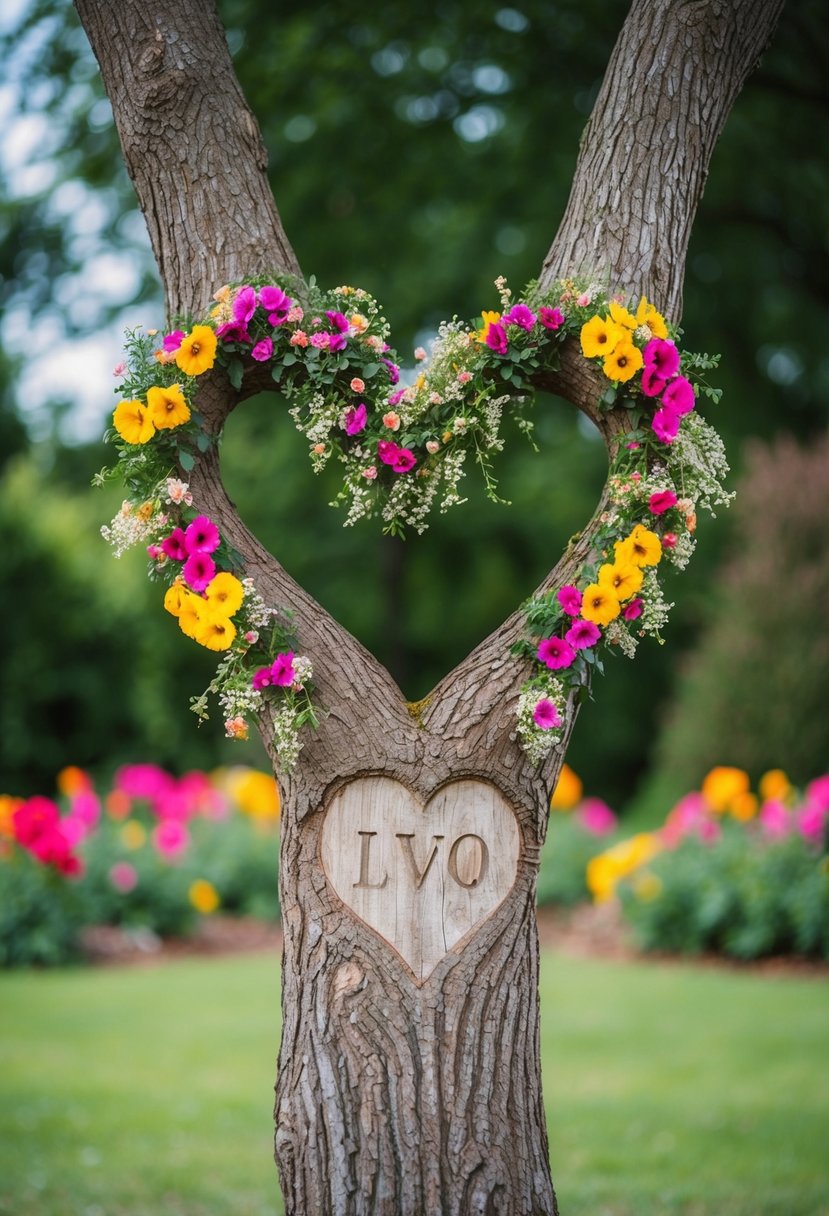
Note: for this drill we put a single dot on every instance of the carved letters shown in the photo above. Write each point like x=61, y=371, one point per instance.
x=421, y=877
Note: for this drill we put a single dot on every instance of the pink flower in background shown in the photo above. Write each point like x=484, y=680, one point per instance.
x=282, y=670
x=520, y=315
x=496, y=338
x=146, y=781
x=320, y=340
x=551, y=318
x=419, y=354
x=690, y=817
x=570, y=599
x=171, y=839
x=633, y=610
x=202, y=536
x=817, y=791
x=171, y=342
x=583, y=634
x=679, y=396
x=174, y=545
x=596, y=817
x=276, y=303
x=662, y=501
x=775, y=819
x=262, y=351
x=811, y=822
x=665, y=424
x=355, y=419
x=123, y=876
x=35, y=818
x=556, y=653
x=119, y=369
x=546, y=715
x=199, y=570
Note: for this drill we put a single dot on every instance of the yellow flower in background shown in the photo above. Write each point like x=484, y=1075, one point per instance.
x=722, y=786
x=133, y=422
x=600, y=604
x=167, y=407
x=646, y=314
x=568, y=791
x=621, y=315
x=608, y=868
x=641, y=548
x=203, y=896
x=744, y=806
x=133, y=834
x=623, y=362
x=490, y=318
x=214, y=631
x=72, y=780
x=599, y=336
x=8, y=805
x=624, y=580
x=774, y=786
x=225, y=593
x=197, y=352
x=257, y=794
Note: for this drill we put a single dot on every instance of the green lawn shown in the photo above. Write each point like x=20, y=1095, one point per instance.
x=670, y=1089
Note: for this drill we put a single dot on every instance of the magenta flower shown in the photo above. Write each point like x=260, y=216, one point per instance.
x=405, y=461
x=171, y=342
x=596, y=817
x=123, y=876
x=282, y=670
x=355, y=419
x=496, y=338
x=546, y=715
x=817, y=791
x=232, y=331
x=633, y=610
x=653, y=385
x=202, y=536
x=582, y=634
x=775, y=819
x=570, y=599
x=811, y=822
x=199, y=570
x=661, y=356
x=35, y=818
x=262, y=351
x=143, y=781
x=321, y=341
x=337, y=341
x=174, y=545
x=665, y=424
x=171, y=839
x=520, y=315
x=679, y=396
x=339, y=322
x=551, y=318
x=244, y=306
x=392, y=369
x=556, y=653
x=261, y=678
x=397, y=397
x=388, y=451
x=661, y=501
x=276, y=303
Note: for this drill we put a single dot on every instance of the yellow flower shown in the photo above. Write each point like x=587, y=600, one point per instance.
x=203, y=896
x=8, y=805
x=621, y=316
x=647, y=887
x=641, y=548
x=568, y=791
x=599, y=336
x=167, y=407
x=72, y=780
x=176, y=597
x=490, y=318
x=722, y=786
x=256, y=794
x=775, y=786
x=133, y=422
x=224, y=594
x=133, y=834
x=623, y=362
x=744, y=806
x=191, y=611
x=214, y=631
x=646, y=314
x=606, y=870
x=197, y=352
x=600, y=604
x=624, y=580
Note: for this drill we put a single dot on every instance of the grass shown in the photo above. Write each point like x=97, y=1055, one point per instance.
x=670, y=1090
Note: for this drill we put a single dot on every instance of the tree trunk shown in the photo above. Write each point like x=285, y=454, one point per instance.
x=409, y=1078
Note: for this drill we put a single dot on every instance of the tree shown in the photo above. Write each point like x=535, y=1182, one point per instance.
x=414, y=1088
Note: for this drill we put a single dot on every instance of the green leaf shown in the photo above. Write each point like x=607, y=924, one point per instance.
x=235, y=372
x=289, y=359
x=187, y=460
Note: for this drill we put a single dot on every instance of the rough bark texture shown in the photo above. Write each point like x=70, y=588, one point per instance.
x=394, y=1096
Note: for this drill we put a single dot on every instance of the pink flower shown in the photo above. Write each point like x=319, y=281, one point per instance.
x=370, y=473
x=231, y=331
x=551, y=318
x=662, y=501
x=171, y=839
x=661, y=356
x=320, y=340
x=295, y=313
x=387, y=451
x=633, y=610
x=596, y=817
x=464, y=377
x=199, y=570
x=652, y=383
x=669, y=540
x=202, y=536
x=496, y=338
x=397, y=397
x=419, y=354
x=570, y=599
x=178, y=491
x=276, y=303
x=146, y=781
x=282, y=670
x=358, y=385
x=665, y=424
x=171, y=342
x=119, y=369
x=775, y=819
x=339, y=322
x=262, y=351
x=251, y=636
x=817, y=791
x=244, y=306
x=405, y=461
x=155, y=553
x=556, y=653
x=174, y=546
x=432, y=446
x=261, y=678
x=520, y=315
x=392, y=369
x=355, y=419
x=35, y=818
x=679, y=396
x=583, y=634
x=298, y=339
x=123, y=876
x=546, y=715
x=583, y=301
x=337, y=341
x=811, y=822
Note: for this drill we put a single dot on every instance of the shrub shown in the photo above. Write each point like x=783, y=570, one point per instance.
x=577, y=824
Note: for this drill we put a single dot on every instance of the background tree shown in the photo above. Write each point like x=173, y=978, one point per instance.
x=395, y=1096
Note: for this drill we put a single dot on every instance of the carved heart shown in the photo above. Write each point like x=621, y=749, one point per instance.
x=422, y=877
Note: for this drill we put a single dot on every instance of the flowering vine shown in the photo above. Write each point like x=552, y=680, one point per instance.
x=403, y=448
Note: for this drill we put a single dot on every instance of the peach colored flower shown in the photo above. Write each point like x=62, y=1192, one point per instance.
x=392, y=421
x=358, y=385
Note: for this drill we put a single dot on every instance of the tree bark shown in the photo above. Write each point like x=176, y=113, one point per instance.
x=403, y=1089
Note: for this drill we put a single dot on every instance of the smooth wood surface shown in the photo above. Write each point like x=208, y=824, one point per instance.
x=422, y=877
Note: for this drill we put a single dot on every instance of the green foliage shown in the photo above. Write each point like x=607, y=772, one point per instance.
x=742, y=897
x=567, y=850
x=41, y=913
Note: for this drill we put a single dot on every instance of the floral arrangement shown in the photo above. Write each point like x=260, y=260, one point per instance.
x=403, y=448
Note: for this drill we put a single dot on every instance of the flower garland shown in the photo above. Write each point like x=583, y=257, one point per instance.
x=403, y=448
